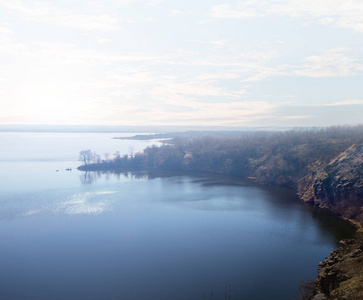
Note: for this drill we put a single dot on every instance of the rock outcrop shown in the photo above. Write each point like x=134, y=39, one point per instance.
x=340, y=276
x=337, y=186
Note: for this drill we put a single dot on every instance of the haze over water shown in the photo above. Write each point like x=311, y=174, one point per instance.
x=147, y=235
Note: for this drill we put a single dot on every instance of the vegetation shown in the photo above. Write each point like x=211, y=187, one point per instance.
x=280, y=158
x=322, y=164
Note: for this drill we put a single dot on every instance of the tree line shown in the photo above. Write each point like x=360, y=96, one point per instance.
x=280, y=158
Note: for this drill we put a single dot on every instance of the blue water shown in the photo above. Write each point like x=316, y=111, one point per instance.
x=74, y=235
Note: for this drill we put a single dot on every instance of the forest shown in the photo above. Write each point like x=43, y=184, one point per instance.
x=278, y=158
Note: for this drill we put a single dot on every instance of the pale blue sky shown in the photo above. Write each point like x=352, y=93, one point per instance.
x=206, y=62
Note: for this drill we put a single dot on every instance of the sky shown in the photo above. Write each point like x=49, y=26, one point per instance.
x=181, y=62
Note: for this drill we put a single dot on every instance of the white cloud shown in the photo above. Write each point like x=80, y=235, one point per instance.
x=219, y=43
x=119, y=64
x=257, y=66
x=5, y=30
x=265, y=72
x=232, y=113
x=345, y=14
x=103, y=41
x=30, y=8
x=243, y=59
x=227, y=12
x=84, y=22
x=125, y=2
x=150, y=20
x=330, y=64
x=195, y=88
x=222, y=75
x=155, y=2
x=67, y=53
x=44, y=12
x=313, y=106
x=176, y=12
x=346, y=102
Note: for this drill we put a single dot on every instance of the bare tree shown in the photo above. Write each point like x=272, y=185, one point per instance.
x=131, y=151
x=117, y=155
x=96, y=158
x=107, y=156
x=86, y=156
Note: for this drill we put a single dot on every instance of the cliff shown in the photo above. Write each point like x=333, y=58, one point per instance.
x=338, y=185
x=340, y=276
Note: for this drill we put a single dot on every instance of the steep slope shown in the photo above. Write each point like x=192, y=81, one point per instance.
x=338, y=185
x=340, y=276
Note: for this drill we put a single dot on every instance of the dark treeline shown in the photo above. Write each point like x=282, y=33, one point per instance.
x=280, y=158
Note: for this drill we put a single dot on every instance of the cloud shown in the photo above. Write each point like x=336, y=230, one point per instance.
x=248, y=59
x=258, y=66
x=125, y=2
x=155, y=2
x=176, y=12
x=103, y=41
x=330, y=64
x=67, y=53
x=44, y=12
x=83, y=22
x=5, y=30
x=321, y=114
x=196, y=88
x=344, y=14
x=247, y=66
x=232, y=113
x=226, y=11
x=346, y=102
x=219, y=43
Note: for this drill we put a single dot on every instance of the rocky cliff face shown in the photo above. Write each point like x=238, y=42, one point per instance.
x=337, y=186
x=340, y=276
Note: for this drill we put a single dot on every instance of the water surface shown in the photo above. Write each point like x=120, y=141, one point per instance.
x=75, y=235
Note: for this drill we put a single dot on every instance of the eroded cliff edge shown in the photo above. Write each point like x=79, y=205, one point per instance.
x=338, y=185
x=340, y=276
